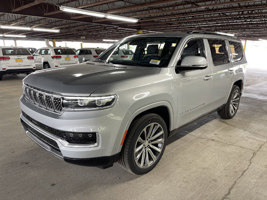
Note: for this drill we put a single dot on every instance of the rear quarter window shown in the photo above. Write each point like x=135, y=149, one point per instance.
x=236, y=51
x=15, y=51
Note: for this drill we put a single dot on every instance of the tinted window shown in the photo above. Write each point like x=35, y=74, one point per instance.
x=15, y=51
x=194, y=47
x=88, y=52
x=44, y=51
x=64, y=52
x=236, y=50
x=219, y=53
x=99, y=51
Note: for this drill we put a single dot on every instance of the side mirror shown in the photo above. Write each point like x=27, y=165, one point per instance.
x=193, y=63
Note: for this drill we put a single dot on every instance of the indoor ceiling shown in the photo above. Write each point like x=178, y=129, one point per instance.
x=246, y=19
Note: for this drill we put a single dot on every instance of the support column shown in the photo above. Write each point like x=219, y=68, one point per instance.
x=15, y=43
x=245, y=45
x=81, y=45
x=54, y=42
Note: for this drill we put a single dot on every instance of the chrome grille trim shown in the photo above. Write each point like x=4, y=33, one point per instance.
x=43, y=99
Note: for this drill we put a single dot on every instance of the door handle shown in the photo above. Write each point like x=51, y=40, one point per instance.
x=231, y=71
x=208, y=77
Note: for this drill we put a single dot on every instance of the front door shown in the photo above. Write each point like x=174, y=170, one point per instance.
x=193, y=87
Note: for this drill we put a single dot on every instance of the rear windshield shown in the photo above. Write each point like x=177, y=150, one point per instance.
x=64, y=52
x=99, y=51
x=15, y=51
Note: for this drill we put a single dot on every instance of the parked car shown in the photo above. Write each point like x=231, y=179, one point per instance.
x=14, y=60
x=88, y=54
x=123, y=54
x=52, y=57
x=124, y=110
x=31, y=50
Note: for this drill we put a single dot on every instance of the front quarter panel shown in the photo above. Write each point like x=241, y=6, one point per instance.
x=135, y=98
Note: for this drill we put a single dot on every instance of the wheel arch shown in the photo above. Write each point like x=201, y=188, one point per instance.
x=239, y=83
x=163, y=109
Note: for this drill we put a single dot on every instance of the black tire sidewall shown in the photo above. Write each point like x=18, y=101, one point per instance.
x=134, y=134
x=229, y=101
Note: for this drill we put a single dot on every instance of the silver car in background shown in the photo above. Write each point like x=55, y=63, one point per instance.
x=124, y=110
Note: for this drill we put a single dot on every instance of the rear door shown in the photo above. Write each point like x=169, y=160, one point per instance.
x=222, y=78
x=18, y=58
x=68, y=56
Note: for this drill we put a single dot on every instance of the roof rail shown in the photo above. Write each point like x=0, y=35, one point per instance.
x=211, y=33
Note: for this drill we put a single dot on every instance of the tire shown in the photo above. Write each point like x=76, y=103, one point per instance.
x=228, y=110
x=147, y=137
x=46, y=66
x=1, y=77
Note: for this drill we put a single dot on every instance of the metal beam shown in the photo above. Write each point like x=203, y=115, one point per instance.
x=28, y=5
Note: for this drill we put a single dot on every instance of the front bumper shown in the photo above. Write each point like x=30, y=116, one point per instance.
x=17, y=71
x=106, y=129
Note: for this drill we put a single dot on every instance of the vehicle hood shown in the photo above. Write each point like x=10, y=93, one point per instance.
x=85, y=78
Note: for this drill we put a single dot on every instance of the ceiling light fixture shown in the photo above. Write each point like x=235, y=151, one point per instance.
x=81, y=11
x=121, y=18
x=29, y=28
x=98, y=14
x=46, y=30
x=18, y=36
x=109, y=40
x=15, y=27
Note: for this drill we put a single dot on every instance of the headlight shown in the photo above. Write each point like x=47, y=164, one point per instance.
x=88, y=103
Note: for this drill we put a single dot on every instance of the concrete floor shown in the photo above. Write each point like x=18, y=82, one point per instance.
x=221, y=159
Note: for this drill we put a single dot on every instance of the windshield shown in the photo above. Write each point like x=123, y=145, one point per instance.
x=64, y=52
x=150, y=52
x=15, y=51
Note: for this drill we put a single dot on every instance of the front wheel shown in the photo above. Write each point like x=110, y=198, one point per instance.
x=229, y=110
x=144, y=145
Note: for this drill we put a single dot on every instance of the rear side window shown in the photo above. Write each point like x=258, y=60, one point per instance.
x=64, y=52
x=44, y=51
x=236, y=50
x=218, y=51
x=88, y=52
x=99, y=51
x=15, y=51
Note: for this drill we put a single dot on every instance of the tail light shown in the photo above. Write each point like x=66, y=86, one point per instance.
x=4, y=58
x=95, y=56
x=124, y=56
x=30, y=57
x=56, y=57
x=75, y=56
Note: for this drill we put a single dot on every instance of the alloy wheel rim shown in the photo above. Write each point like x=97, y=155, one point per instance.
x=234, y=103
x=149, y=145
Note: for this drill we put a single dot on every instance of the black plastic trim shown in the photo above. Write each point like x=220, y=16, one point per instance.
x=103, y=162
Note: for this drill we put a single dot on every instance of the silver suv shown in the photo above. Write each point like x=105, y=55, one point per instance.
x=123, y=110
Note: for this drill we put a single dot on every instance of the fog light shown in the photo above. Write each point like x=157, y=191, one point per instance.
x=80, y=138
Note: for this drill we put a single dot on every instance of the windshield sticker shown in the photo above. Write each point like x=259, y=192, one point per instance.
x=154, y=62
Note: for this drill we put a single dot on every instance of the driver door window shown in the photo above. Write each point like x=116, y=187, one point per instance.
x=194, y=47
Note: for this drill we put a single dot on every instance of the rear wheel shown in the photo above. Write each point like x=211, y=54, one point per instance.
x=229, y=110
x=46, y=66
x=144, y=145
x=1, y=76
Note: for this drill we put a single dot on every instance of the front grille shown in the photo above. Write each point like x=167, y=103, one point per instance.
x=44, y=100
x=71, y=137
x=41, y=137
